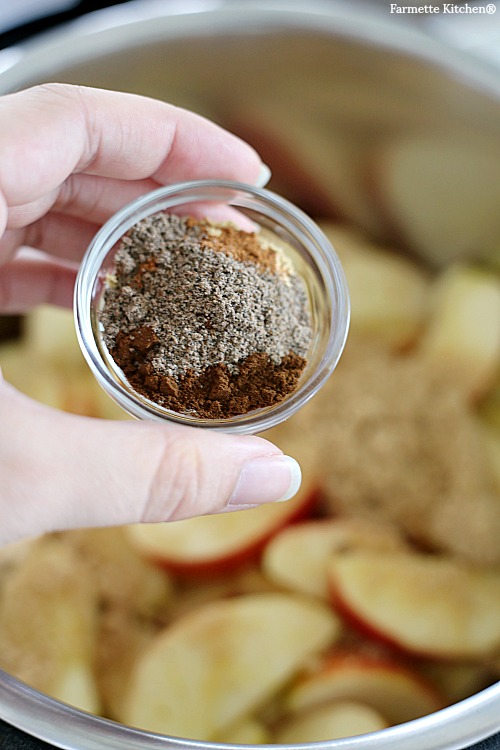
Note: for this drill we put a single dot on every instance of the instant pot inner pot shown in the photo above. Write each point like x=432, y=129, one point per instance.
x=404, y=146
x=351, y=130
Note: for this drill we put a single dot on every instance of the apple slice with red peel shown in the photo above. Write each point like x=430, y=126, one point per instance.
x=330, y=721
x=433, y=606
x=441, y=195
x=221, y=662
x=397, y=692
x=211, y=545
x=463, y=333
x=195, y=592
x=298, y=556
x=320, y=167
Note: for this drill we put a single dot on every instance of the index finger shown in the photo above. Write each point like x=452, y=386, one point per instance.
x=50, y=131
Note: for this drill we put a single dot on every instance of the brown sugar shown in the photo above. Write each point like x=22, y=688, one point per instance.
x=395, y=440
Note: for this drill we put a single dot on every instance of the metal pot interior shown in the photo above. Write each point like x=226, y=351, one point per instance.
x=366, y=81
x=340, y=75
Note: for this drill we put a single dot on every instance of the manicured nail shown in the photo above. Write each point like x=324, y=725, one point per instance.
x=266, y=480
x=263, y=177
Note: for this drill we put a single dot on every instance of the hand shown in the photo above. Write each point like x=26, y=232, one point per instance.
x=71, y=157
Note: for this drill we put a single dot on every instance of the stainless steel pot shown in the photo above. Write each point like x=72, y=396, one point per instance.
x=354, y=71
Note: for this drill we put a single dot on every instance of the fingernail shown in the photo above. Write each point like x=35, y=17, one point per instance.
x=266, y=480
x=263, y=177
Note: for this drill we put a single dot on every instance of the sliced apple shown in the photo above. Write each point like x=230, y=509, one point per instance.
x=119, y=575
x=218, y=664
x=62, y=385
x=330, y=722
x=433, y=606
x=456, y=681
x=463, y=334
x=489, y=408
x=210, y=545
x=31, y=375
x=122, y=637
x=50, y=334
x=191, y=592
x=48, y=625
x=319, y=166
x=491, y=437
x=441, y=194
x=389, y=293
x=246, y=732
x=12, y=556
x=298, y=556
x=397, y=692
x=346, y=239
x=105, y=407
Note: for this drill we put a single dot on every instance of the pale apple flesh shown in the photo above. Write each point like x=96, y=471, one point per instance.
x=440, y=195
x=389, y=294
x=48, y=618
x=211, y=545
x=111, y=628
x=429, y=605
x=298, y=556
x=330, y=721
x=222, y=661
x=399, y=693
x=463, y=331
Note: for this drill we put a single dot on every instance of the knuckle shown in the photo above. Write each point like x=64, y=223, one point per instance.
x=176, y=488
x=79, y=191
x=55, y=90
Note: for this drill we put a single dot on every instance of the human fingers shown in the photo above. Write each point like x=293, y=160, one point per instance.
x=77, y=471
x=82, y=196
x=91, y=197
x=62, y=236
x=26, y=282
x=53, y=130
x=64, y=221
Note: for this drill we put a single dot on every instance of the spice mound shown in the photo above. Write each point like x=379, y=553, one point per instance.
x=205, y=319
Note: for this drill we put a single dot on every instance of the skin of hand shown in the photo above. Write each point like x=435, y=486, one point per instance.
x=71, y=157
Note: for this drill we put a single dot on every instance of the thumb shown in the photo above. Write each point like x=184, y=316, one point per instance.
x=63, y=471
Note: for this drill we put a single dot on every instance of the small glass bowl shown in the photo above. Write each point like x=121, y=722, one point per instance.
x=310, y=252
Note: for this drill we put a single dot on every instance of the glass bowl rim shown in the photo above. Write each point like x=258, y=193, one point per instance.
x=286, y=214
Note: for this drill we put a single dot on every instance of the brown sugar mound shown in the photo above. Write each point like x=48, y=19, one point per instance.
x=396, y=441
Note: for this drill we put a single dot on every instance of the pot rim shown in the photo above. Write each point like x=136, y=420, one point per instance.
x=63, y=726
x=110, y=30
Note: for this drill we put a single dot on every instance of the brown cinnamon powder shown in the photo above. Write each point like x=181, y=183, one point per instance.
x=216, y=393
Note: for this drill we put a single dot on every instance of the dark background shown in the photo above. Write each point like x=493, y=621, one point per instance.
x=22, y=32
x=11, y=738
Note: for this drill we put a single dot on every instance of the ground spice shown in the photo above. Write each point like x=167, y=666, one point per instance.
x=205, y=319
x=394, y=439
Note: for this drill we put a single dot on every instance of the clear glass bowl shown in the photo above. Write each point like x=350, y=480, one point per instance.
x=310, y=252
